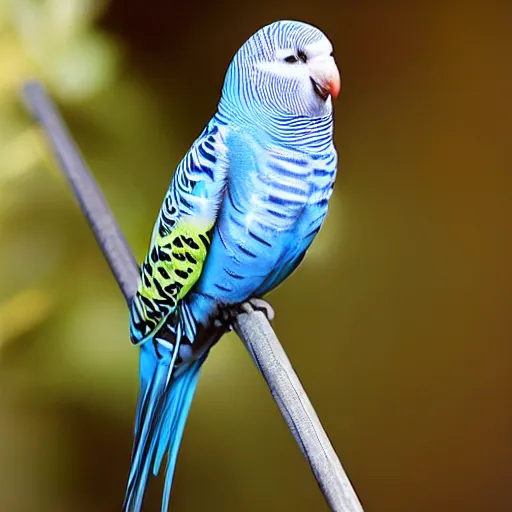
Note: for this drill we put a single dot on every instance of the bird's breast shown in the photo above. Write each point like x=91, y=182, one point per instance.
x=275, y=190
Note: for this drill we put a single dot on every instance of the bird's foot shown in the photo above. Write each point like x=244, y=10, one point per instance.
x=228, y=314
x=257, y=304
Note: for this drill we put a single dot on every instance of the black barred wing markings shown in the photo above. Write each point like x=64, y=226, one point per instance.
x=180, y=240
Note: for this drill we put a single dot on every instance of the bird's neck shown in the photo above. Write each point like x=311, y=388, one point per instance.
x=307, y=134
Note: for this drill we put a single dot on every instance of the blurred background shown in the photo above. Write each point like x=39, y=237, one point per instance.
x=398, y=322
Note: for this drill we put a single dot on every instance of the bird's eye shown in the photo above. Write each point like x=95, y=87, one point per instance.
x=332, y=54
x=302, y=56
x=291, y=59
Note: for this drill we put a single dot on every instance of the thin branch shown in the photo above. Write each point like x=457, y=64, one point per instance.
x=253, y=328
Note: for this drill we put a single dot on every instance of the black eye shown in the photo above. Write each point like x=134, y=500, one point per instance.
x=303, y=57
x=291, y=59
x=332, y=54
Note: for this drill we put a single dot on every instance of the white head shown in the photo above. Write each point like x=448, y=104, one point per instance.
x=285, y=69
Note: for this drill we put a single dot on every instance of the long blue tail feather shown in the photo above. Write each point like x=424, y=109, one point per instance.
x=162, y=410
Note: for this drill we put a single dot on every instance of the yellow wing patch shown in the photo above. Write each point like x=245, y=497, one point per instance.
x=172, y=266
x=184, y=253
x=174, y=263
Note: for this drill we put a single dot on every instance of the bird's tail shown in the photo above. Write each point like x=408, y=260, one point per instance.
x=162, y=410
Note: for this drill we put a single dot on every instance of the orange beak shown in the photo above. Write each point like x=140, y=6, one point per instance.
x=325, y=77
x=334, y=84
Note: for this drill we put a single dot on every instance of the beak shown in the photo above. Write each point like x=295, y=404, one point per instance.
x=325, y=77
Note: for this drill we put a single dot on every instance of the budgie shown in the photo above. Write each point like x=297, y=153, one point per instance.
x=242, y=208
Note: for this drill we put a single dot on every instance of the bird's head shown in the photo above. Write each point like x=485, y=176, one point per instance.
x=286, y=68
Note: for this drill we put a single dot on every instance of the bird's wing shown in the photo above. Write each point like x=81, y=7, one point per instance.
x=181, y=237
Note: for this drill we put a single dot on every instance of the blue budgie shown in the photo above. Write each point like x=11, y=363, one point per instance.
x=243, y=207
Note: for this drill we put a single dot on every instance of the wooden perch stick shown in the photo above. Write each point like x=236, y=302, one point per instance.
x=253, y=328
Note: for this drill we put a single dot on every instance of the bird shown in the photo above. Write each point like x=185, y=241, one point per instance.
x=242, y=208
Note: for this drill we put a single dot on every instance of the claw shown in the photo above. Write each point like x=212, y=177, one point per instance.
x=258, y=304
x=227, y=314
